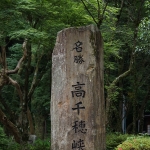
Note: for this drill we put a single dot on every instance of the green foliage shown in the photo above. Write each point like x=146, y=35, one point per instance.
x=3, y=139
x=15, y=53
x=29, y=33
x=144, y=31
x=41, y=104
x=114, y=92
x=135, y=143
x=13, y=146
x=38, y=145
x=114, y=139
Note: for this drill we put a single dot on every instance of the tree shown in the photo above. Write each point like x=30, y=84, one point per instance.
x=121, y=19
x=35, y=23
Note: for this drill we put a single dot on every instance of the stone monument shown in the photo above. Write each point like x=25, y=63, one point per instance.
x=77, y=96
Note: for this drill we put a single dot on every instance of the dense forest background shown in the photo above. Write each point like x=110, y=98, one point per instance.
x=28, y=30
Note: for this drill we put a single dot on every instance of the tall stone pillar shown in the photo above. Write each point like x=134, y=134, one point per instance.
x=77, y=98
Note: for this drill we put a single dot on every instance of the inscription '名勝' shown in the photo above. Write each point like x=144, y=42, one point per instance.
x=78, y=59
x=78, y=47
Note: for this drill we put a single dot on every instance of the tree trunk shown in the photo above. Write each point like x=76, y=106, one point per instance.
x=11, y=127
x=30, y=119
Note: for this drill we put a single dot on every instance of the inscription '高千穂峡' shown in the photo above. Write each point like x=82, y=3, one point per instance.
x=79, y=126
x=78, y=144
x=78, y=107
x=78, y=90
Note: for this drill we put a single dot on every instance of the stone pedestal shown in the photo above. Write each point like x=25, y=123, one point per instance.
x=77, y=98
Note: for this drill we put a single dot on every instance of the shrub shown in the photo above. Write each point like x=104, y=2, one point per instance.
x=135, y=143
x=38, y=145
x=114, y=139
x=9, y=143
x=12, y=145
x=3, y=139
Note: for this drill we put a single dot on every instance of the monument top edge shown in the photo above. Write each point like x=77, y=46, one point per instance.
x=91, y=27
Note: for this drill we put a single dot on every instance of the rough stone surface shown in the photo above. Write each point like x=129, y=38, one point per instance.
x=65, y=73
